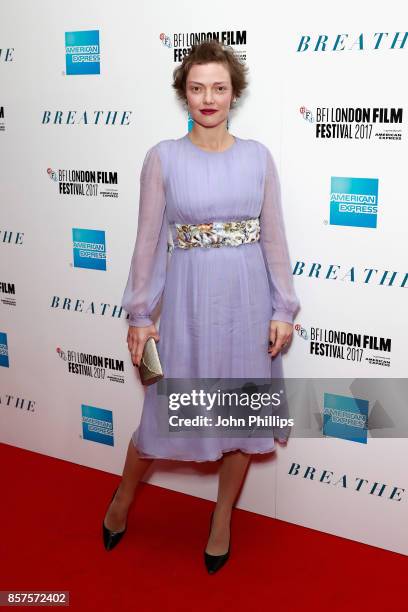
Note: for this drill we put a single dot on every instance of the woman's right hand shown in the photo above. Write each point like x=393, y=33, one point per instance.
x=136, y=339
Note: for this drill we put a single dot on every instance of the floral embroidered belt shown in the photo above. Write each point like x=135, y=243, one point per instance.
x=215, y=234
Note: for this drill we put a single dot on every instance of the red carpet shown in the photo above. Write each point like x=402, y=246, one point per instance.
x=51, y=515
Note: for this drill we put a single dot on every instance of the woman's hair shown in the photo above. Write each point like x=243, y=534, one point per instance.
x=211, y=51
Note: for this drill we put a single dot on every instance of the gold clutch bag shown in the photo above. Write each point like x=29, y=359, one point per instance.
x=150, y=367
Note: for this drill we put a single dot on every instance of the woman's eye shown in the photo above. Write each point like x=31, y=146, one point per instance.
x=196, y=88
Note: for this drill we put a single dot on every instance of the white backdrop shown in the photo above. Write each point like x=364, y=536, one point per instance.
x=52, y=310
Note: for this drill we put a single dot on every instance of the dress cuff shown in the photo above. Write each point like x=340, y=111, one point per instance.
x=139, y=320
x=282, y=315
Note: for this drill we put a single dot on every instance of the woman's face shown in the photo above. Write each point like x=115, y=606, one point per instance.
x=208, y=86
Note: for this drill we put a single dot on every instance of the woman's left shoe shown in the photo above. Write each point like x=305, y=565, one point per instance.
x=112, y=538
x=215, y=562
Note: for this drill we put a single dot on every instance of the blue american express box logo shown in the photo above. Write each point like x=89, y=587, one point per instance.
x=82, y=52
x=97, y=424
x=4, y=356
x=89, y=248
x=354, y=201
x=345, y=417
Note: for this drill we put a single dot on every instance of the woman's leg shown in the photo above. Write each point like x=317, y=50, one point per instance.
x=231, y=476
x=135, y=467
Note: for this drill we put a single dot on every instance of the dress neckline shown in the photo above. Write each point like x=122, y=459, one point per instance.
x=197, y=148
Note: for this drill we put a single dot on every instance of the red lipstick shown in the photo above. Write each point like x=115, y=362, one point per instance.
x=207, y=111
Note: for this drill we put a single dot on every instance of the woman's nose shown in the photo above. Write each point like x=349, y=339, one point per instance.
x=208, y=97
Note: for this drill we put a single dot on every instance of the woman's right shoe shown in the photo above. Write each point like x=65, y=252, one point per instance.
x=112, y=538
x=215, y=562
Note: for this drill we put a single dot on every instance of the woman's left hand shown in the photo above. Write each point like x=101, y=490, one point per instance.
x=280, y=334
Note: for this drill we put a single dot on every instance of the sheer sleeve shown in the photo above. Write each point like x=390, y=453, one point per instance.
x=148, y=265
x=275, y=248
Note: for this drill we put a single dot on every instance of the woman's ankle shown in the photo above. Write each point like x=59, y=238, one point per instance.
x=124, y=495
x=223, y=512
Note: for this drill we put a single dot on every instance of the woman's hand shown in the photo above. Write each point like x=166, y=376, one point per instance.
x=136, y=339
x=279, y=335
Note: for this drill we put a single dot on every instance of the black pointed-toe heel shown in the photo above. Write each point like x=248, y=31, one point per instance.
x=112, y=538
x=215, y=562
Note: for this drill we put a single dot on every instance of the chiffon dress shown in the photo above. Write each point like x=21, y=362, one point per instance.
x=216, y=303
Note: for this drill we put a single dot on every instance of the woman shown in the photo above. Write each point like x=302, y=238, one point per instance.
x=220, y=306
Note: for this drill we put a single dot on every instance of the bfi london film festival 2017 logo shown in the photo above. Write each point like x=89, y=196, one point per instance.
x=98, y=367
x=86, y=183
x=355, y=123
x=356, y=347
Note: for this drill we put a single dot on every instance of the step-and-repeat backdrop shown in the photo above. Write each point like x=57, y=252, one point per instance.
x=84, y=93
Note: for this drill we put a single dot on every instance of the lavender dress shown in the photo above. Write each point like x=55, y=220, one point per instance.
x=217, y=303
